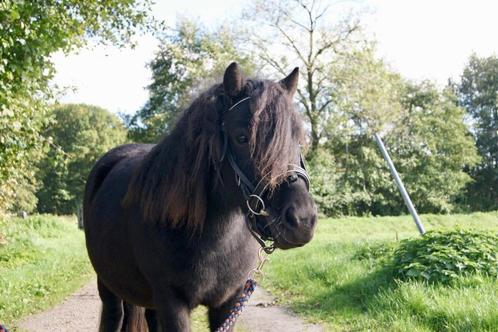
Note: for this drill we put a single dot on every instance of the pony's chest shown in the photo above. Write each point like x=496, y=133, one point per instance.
x=220, y=273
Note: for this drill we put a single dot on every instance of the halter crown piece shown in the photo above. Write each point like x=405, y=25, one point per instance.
x=253, y=193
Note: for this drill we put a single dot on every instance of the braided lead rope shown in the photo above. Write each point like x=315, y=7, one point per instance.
x=236, y=310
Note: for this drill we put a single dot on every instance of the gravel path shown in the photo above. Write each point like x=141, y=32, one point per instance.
x=261, y=315
x=80, y=312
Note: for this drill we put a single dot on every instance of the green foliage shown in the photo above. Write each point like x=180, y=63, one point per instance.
x=42, y=260
x=189, y=59
x=432, y=148
x=80, y=135
x=478, y=92
x=424, y=132
x=30, y=31
x=381, y=253
x=368, y=95
x=21, y=119
x=366, y=98
x=443, y=256
x=339, y=279
x=323, y=182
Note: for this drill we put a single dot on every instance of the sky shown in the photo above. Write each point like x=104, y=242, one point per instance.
x=421, y=39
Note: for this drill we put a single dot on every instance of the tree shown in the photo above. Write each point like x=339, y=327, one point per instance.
x=83, y=133
x=478, y=92
x=367, y=99
x=433, y=147
x=30, y=31
x=189, y=59
x=300, y=33
x=325, y=180
x=427, y=139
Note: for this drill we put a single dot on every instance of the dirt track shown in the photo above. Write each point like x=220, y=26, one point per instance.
x=80, y=312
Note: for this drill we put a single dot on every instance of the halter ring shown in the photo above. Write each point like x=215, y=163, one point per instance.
x=262, y=211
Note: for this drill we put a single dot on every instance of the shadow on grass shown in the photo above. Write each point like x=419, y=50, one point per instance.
x=351, y=299
x=376, y=301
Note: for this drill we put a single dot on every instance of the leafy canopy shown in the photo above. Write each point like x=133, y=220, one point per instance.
x=478, y=92
x=312, y=35
x=30, y=31
x=82, y=134
x=424, y=132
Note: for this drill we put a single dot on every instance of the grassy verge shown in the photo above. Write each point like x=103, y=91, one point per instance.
x=42, y=259
x=324, y=282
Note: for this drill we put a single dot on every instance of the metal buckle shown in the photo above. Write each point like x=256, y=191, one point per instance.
x=262, y=211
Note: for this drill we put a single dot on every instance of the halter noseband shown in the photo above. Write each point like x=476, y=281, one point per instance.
x=253, y=193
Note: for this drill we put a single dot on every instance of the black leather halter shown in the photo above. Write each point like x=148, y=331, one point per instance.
x=253, y=191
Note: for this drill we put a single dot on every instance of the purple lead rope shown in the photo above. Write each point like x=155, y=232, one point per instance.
x=236, y=310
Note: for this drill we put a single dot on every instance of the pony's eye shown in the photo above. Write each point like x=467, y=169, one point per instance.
x=242, y=139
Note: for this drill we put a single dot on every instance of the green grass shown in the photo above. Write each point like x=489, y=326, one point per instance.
x=42, y=259
x=324, y=282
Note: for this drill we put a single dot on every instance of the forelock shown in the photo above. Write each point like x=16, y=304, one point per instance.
x=276, y=131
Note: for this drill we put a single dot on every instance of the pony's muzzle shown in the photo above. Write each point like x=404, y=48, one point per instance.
x=300, y=218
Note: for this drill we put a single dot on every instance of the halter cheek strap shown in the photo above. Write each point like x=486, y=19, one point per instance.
x=223, y=131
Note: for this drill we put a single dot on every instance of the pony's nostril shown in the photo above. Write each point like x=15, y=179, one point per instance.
x=313, y=221
x=291, y=217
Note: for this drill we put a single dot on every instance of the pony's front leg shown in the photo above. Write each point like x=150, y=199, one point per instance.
x=173, y=313
x=218, y=315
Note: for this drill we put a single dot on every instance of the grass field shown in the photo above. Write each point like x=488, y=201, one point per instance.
x=324, y=282
x=42, y=259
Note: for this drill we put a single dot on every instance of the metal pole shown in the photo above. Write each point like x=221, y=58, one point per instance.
x=400, y=185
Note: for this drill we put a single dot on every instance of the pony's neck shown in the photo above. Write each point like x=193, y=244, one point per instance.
x=227, y=195
x=225, y=201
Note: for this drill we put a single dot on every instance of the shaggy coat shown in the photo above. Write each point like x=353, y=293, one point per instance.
x=166, y=225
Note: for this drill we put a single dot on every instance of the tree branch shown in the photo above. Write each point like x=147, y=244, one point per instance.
x=292, y=43
x=325, y=105
x=331, y=44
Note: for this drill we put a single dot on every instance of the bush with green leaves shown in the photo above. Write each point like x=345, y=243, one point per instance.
x=378, y=252
x=444, y=256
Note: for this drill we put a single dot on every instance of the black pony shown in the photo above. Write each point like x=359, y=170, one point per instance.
x=179, y=224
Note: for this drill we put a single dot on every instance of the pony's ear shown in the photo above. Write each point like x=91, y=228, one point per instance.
x=290, y=82
x=233, y=80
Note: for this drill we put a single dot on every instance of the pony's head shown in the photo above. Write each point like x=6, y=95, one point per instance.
x=236, y=146
x=262, y=136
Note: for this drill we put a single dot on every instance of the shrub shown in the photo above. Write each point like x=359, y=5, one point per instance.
x=444, y=256
x=378, y=252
